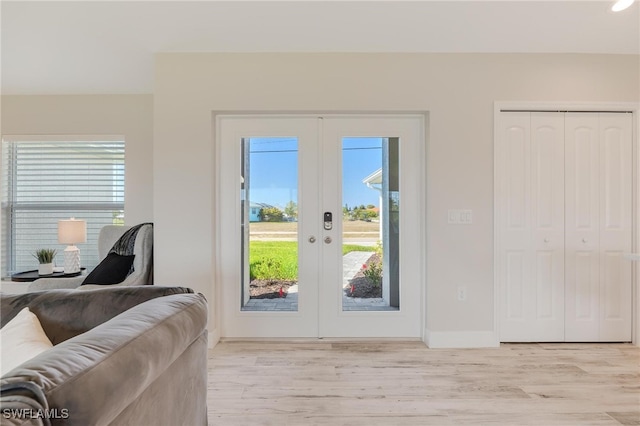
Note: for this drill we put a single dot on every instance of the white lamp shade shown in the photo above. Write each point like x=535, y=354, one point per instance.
x=72, y=231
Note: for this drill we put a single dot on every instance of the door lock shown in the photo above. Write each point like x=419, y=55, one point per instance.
x=327, y=240
x=312, y=239
x=328, y=221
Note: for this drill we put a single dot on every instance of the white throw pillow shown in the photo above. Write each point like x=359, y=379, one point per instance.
x=21, y=339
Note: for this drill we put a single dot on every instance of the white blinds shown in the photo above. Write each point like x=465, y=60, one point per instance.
x=44, y=181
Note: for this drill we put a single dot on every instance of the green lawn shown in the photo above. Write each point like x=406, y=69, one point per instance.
x=279, y=259
x=346, y=248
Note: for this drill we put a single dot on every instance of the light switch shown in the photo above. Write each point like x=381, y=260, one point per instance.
x=453, y=216
x=466, y=217
x=460, y=217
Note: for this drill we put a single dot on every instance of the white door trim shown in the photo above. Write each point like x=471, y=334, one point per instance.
x=633, y=107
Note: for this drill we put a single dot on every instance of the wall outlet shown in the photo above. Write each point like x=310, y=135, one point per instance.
x=462, y=293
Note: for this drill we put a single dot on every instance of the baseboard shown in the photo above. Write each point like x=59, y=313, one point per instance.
x=461, y=339
x=214, y=338
x=433, y=339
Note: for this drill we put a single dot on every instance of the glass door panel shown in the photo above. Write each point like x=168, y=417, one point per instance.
x=370, y=228
x=269, y=223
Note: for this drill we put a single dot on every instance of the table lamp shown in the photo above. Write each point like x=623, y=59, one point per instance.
x=72, y=231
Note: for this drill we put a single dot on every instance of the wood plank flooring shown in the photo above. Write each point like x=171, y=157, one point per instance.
x=406, y=383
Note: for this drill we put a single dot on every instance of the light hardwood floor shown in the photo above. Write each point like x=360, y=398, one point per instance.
x=405, y=383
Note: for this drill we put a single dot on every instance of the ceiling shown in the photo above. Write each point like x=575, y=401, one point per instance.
x=74, y=47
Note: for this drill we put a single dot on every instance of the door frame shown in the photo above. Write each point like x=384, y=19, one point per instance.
x=542, y=106
x=217, y=116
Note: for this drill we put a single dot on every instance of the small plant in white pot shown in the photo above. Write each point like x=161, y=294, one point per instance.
x=45, y=260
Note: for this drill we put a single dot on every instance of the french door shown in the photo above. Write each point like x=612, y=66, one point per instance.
x=320, y=224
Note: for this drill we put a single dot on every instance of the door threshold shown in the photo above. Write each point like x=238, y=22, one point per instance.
x=321, y=339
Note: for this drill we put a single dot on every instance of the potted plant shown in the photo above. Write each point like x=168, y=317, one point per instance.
x=45, y=260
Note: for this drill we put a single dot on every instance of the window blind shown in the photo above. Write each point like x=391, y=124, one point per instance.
x=48, y=180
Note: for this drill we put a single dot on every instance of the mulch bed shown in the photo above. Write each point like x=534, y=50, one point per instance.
x=269, y=289
x=361, y=286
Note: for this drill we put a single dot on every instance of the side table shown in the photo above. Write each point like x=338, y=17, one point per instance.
x=29, y=276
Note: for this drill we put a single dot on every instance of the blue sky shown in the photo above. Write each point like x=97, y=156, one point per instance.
x=274, y=173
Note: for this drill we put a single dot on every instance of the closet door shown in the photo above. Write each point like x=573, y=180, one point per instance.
x=582, y=233
x=598, y=226
x=615, y=226
x=531, y=259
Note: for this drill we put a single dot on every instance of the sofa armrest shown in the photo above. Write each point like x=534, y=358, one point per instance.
x=21, y=403
x=55, y=283
x=67, y=313
x=96, y=375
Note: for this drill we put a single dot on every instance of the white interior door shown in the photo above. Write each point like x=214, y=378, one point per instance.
x=598, y=227
x=616, y=224
x=582, y=228
x=531, y=261
x=292, y=192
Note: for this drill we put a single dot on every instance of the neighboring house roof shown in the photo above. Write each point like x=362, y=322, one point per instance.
x=260, y=205
x=374, y=180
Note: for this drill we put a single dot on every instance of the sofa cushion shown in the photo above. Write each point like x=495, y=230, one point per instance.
x=22, y=339
x=112, y=270
x=67, y=313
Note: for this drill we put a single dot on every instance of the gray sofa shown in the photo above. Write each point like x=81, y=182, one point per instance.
x=121, y=356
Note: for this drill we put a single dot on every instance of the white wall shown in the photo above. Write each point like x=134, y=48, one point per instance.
x=169, y=136
x=458, y=91
x=128, y=115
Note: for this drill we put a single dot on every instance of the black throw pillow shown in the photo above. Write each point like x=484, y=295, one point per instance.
x=112, y=270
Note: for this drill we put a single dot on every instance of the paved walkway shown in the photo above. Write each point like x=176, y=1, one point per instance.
x=351, y=265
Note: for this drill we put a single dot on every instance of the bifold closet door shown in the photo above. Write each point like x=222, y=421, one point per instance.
x=598, y=226
x=531, y=211
x=564, y=206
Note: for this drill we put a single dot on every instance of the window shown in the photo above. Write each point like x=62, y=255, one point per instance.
x=45, y=179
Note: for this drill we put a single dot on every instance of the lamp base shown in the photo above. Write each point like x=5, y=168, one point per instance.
x=71, y=260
